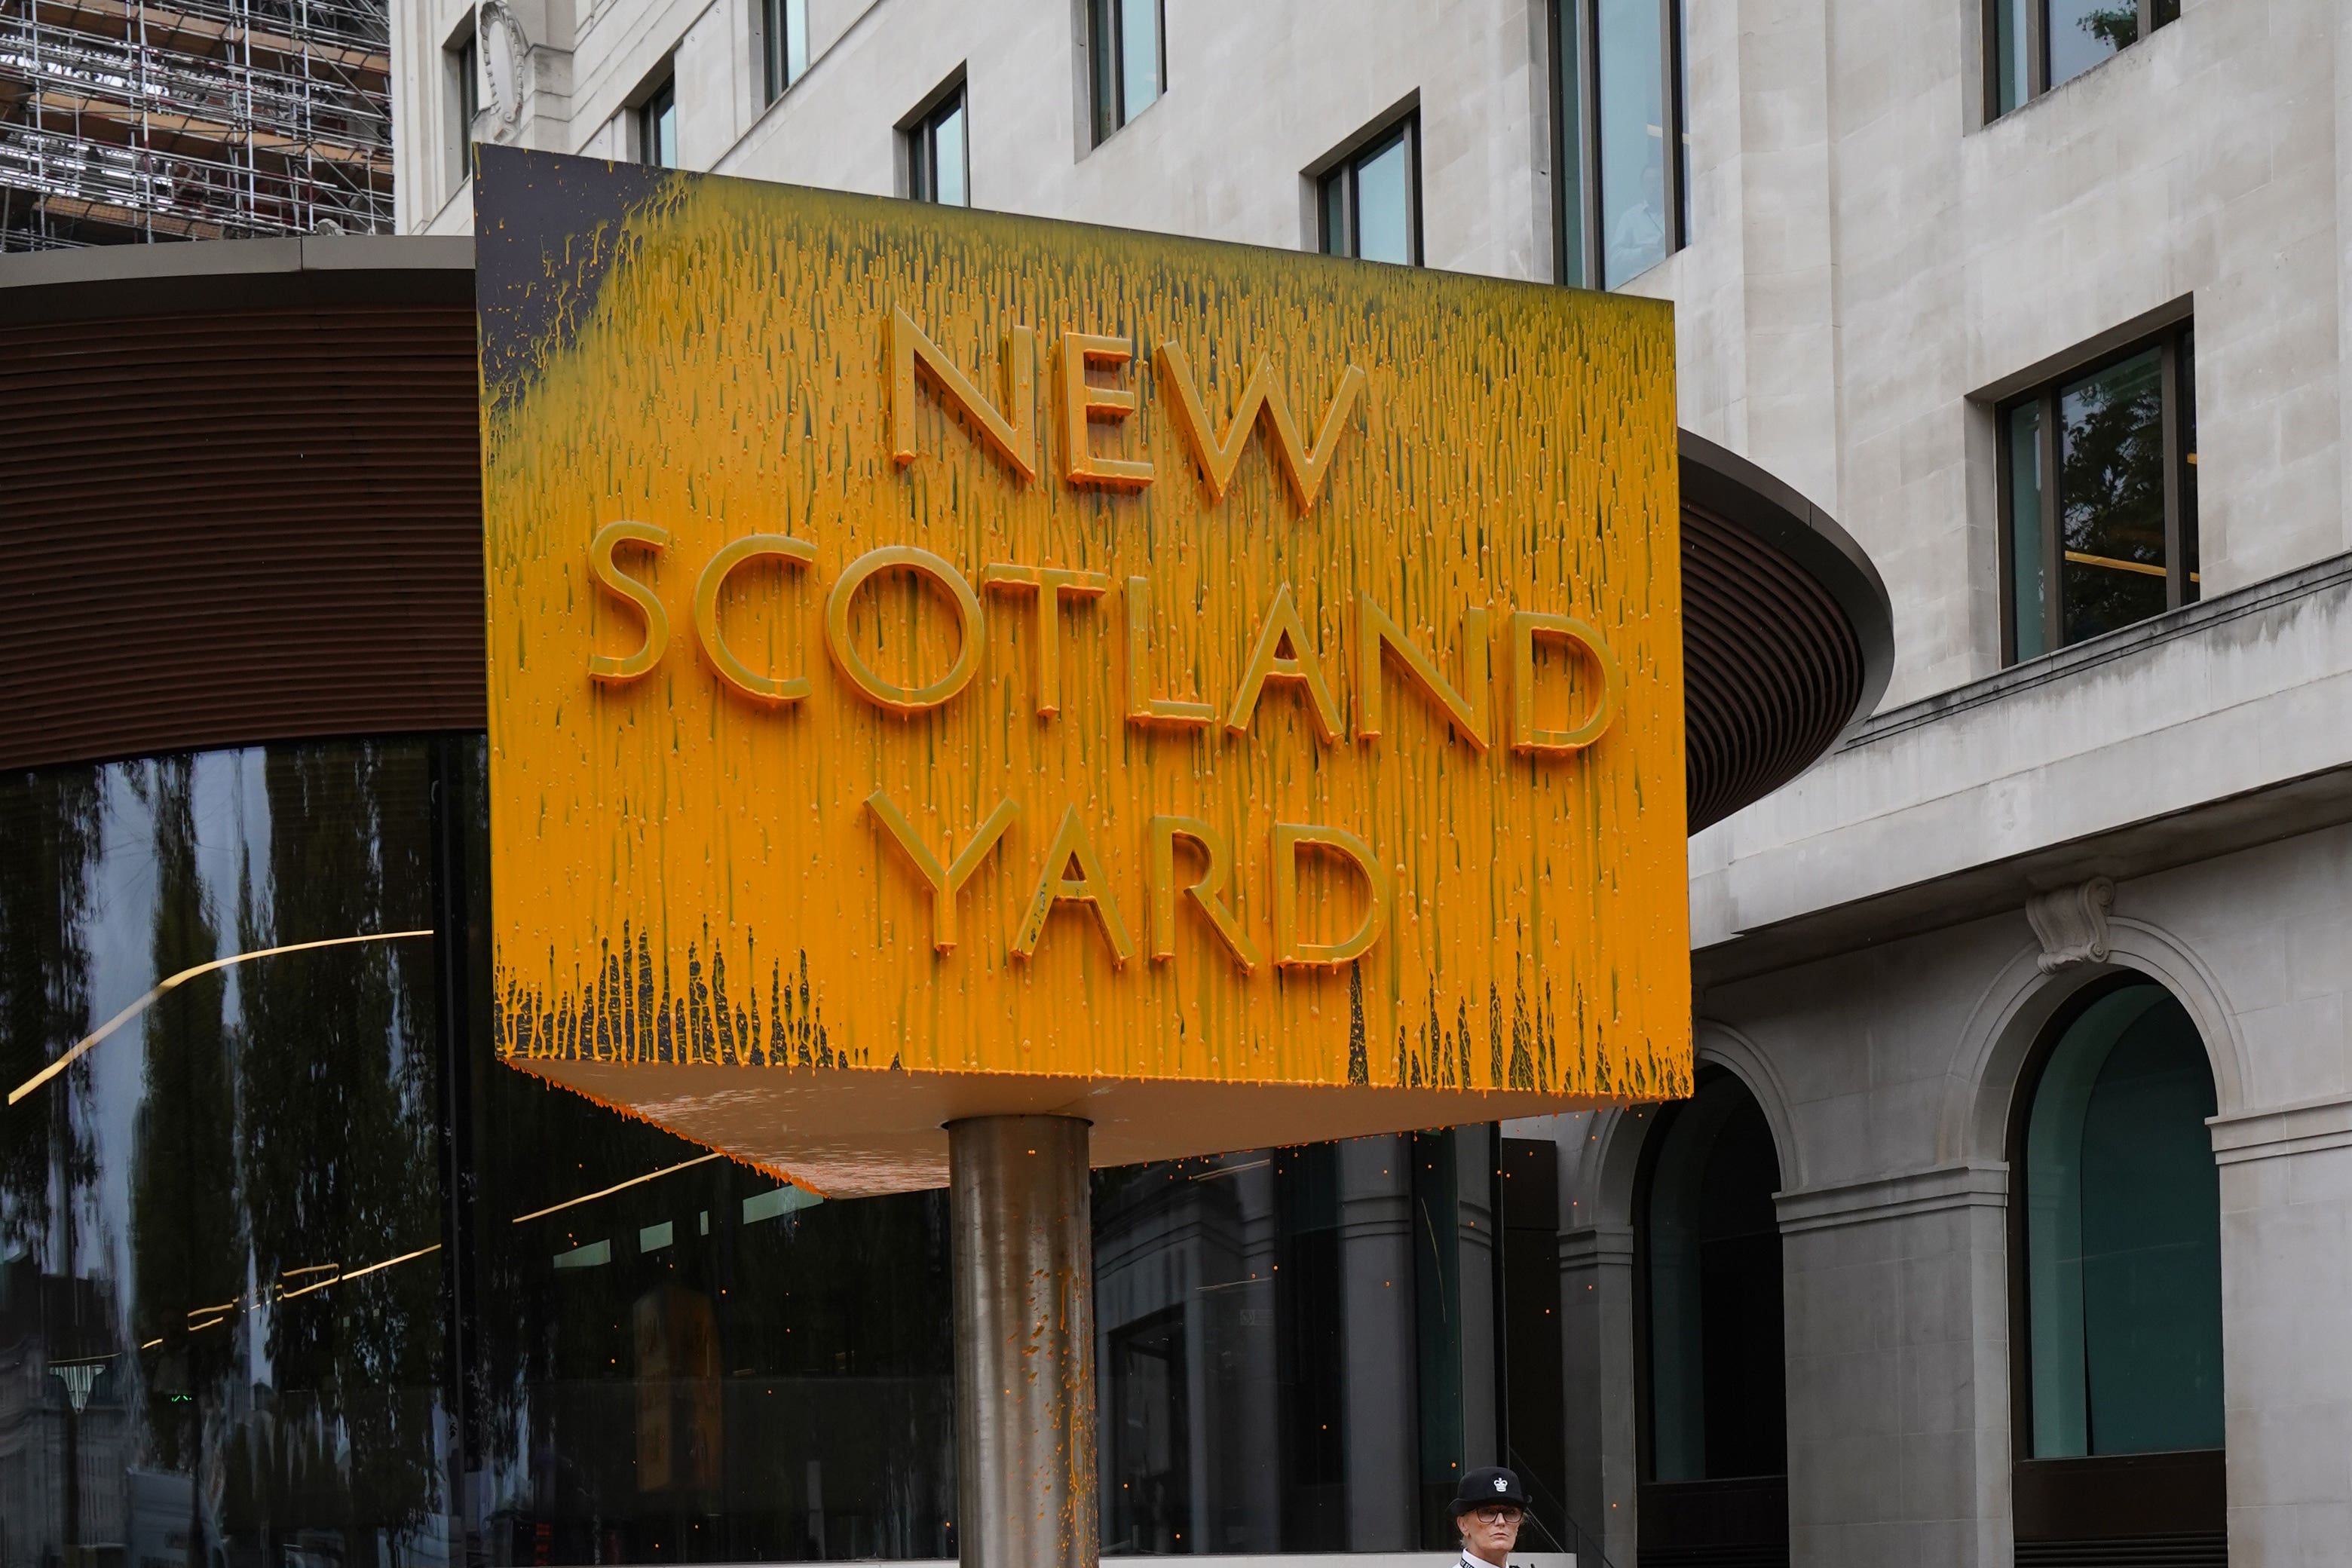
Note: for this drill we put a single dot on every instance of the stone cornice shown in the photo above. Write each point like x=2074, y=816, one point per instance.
x=1898, y=1196
x=2303, y=1127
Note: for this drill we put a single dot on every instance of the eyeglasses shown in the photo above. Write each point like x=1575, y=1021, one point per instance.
x=1496, y=1514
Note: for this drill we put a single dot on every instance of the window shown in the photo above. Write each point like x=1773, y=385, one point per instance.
x=783, y=43
x=658, y=126
x=1371, y=198
x=2032, y=46
x=1124, y=38
x=939, y=168
x=1714, y=1407
x=2122, y=1235
x=2098, y=504
x=1621, y=202
x=465, y=102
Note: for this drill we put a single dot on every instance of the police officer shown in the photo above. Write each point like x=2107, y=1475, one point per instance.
x=1486, y=1512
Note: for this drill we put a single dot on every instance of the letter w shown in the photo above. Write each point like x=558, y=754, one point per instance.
x=1219, y=459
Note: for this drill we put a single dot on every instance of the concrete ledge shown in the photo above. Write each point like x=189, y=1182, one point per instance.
x=2300, y=1129
x=1592, y=1249
x=1930, y=1191
x=2212, y=728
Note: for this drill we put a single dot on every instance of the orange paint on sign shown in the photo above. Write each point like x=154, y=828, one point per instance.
x=1092, y=727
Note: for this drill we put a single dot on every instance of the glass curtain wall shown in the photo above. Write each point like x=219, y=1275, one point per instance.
x=292, y=1271
x=222, y=1334
x=2123, y=1234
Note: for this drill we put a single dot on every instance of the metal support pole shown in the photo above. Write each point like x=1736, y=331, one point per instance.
x=1025, y=1379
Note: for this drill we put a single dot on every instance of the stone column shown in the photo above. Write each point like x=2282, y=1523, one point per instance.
x=2287, y=1359
x=1897, y=1324
x=1376, y=1278
x=1596, y=1310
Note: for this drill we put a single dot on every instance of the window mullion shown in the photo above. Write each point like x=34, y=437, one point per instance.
x=1669, y=130
x=2176, y=558
x=2037, y=47
x=2054, y=543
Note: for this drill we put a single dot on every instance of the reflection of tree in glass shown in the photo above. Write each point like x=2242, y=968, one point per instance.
x=2111, y=495
x=2114, y=26
x=187, y=1249
x=335, y=1120
x=49, y=824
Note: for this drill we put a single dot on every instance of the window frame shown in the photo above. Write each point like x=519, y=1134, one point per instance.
x=1340, y=171
x=2038, y=84
x=919, y=140
x=1586, y=268
x=2183, y=579
x=646, y=117
x=778, y=21
x=463, y=54
x=1107, y=63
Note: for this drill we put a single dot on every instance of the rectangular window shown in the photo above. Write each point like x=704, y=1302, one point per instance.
x=1124, y=38
x=1621, y=159
x=939, y=168
x=2098, y=504
x=657, y=127
x=465, y=102
x=783, y=43
x=1371, y=198
x=2032, y=46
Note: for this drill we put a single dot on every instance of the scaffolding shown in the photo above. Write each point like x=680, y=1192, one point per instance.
x=124, y=120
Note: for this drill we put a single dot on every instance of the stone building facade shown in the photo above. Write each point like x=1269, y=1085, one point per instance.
x=1920, y=250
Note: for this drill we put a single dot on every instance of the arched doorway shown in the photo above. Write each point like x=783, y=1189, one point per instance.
x=1715, y=1426
x=2116, y=1286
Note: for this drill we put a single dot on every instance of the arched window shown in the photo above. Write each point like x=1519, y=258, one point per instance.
x=2116, y=1264
x=1715, y=1413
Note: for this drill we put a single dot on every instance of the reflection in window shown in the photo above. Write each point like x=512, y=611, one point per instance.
x=1712, y=1273
x=937, y=162
x=2036, y=45
x=783, y=44
x=1285, y=1340
x=243, y=1305
x=220, y=1241
x=1124, y=38
x=1371, y=199
x=1623, y=175
x=2123, y=1265
x=2113, y=541
x=657, y=127
x=702, y=1365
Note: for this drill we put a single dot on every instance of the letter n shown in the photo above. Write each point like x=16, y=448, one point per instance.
x=1011, y=433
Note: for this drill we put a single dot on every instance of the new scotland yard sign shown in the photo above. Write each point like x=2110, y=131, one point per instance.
x=946, y=664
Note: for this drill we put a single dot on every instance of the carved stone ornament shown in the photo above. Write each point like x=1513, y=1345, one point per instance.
x=506, y=54
x=2072, y=923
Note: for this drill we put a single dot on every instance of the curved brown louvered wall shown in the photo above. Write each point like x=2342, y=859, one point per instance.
x=236, y=526
x=1772, y=670
x=246, y=507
